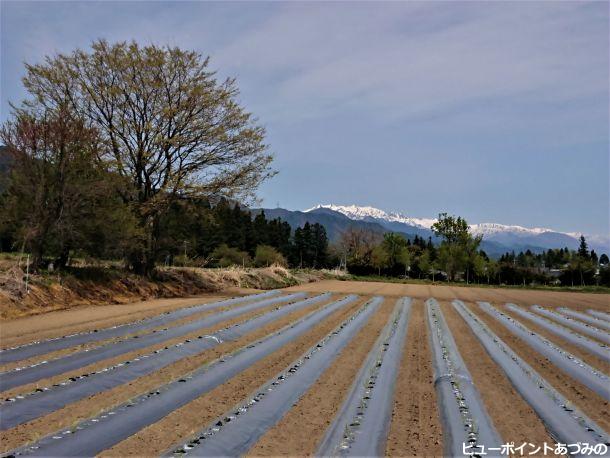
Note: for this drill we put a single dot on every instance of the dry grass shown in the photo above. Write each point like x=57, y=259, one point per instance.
x=95, y=284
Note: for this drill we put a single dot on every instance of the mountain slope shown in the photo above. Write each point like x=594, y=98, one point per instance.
x=502, y=237
x=336, y=223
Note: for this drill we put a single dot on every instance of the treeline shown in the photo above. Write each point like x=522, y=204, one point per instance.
x=113, y=150
x=192, y=232
x=201, y=234
x=458, y=258
x=557, y=266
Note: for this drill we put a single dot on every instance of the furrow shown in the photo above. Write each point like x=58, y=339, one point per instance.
x=73, y=361
x=361, y=427
x=592, y=331
x=415, y=429
x=571, y=365
x=239, y=429
x=598, y=349
x=43, y=401
x=563, y=420
x=21, y=352
x=467, y=427
x=597, y=322
x=97, y=434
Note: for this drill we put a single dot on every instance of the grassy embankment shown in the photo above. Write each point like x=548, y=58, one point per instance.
x=95, y=283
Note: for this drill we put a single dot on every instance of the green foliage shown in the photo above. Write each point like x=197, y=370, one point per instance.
x=459, y=258
x=59, y=196
x=380, y=259
x=454, y=230
x=266, y=256
x=310, y=246
x=164, y=124
x=225, y=256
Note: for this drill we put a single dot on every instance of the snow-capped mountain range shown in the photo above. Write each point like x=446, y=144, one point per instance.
x=511, y=236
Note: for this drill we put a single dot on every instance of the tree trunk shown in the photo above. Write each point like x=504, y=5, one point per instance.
x=37, y=256
x=62, y=260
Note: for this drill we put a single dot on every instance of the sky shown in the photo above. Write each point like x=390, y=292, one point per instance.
x=495, y=111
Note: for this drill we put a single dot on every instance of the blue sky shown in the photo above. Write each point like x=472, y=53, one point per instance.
x=495, y=111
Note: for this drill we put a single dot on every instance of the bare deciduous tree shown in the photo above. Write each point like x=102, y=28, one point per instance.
x=167, y=125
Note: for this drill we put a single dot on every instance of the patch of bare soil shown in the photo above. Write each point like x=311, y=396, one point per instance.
x=87, y=318
x=136, y=353
x=514, y=419
x=89, y=345
x=302, y=429
x=577, y=351
x=186, y=421
x=94, y=404
x=416, y=428
x=585, y=399
x=576, y=300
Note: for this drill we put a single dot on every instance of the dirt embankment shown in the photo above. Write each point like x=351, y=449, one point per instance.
x=102, y=286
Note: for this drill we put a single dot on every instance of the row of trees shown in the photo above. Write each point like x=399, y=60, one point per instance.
x=459, y=257
x=111, y=143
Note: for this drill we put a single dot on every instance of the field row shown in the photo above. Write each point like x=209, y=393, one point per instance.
x=293, y=373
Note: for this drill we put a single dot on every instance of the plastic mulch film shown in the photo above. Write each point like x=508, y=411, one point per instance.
x=466, y=423
x=597, y=333
x=31, y=349
x=570, y=364
x=361, y=426
x=598, y=314
x=595, y=321
x=103, y=431
x=235, y=432
x=598, y=349
x=564, y=422
x=45, y=369
x=17, y=410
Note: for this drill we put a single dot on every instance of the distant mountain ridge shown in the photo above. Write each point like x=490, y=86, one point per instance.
x=497, y=238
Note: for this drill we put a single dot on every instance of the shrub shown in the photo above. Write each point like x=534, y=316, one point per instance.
x=226, y=256
x=267, y=255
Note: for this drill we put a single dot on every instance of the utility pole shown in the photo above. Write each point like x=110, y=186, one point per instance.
x=27, y=276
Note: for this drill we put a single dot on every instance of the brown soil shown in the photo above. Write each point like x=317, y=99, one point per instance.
x=508, y=410
x=416, y=428
x=189, y=419
x=94, y=404
x=577, y=351
x=555, y=320
x=133, y=354
x=302, y=429
x=589, y=402
x=87, y=318
x=89, y=345
x=576, y=300
x=103, y=285
x=415, y=404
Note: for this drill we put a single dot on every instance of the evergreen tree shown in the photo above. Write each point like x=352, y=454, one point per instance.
x=583, y=249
